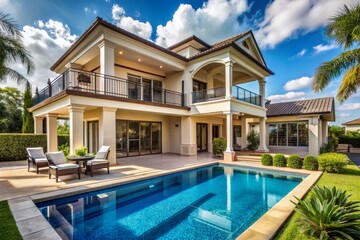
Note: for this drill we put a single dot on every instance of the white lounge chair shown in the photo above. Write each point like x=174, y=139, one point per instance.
x=36, y=158
x=59, y=167
x=100, y=161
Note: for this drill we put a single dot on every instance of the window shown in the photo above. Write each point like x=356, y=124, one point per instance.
x=289, y=134
x=197, y=85
x=146, y=89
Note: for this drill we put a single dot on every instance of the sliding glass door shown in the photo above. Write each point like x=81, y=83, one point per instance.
x=137, y=138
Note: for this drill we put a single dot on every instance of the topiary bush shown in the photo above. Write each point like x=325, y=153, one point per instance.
x=311, y=163
x=279, y=160
x=219, y=146
x=266, y=159
x=295, y=161
x=13, y=145
x=333, y=162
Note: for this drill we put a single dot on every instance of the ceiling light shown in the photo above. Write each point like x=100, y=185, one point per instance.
x=139, y=60
x=160, y=66
x=120, y=52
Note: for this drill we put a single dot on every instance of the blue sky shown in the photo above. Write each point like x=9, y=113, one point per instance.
x=289, y=32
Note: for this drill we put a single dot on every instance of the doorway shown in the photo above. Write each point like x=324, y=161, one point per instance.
x=215, y=131
x=201, y=137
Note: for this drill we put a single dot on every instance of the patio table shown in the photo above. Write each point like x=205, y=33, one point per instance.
x=83, y=159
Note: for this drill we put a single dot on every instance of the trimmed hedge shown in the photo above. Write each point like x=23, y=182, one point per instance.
x=266, y=159
x=279, y=160
x=13, y=146
x=311, y=163
x=353, y=141
x=294, y=161
x=333, y=162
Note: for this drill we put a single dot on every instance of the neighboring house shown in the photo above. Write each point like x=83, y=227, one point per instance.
x=353, y=125
x=120, y=90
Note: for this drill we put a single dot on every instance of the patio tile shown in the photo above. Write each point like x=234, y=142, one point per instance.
x=26, y=213
x=267, y=225
x=22, y=203
x=32, y=225
x=46, y=234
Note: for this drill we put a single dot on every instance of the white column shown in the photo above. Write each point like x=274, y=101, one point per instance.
x=188, y=137
x=324, y=131
x=229, y=154
x=210, y=137
x=320, y=139
x=76, y=121
x=244, y=132
x=107, y=131
x=188, y=87
x=107, y=61
x=38, y=125
x=228, y=79
x=51, y=135
x=262, y=146
x=262, y=84
x=314, y=147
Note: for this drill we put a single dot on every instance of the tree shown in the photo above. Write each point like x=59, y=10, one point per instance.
x=27, y=117
x=12, y=50
x=344, y=28
x=63, y=127
x=253, y=139
x=10, y=110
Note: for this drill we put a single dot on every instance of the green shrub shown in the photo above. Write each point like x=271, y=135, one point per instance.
x=328, y=214
x=266, y=159
x=13, y=145
x=295, y=161
x=279, y=160
x=81, y=151
x=219, y=146
x=311, y=163
x=253, y=140
x=65, y=148
x=333, y=162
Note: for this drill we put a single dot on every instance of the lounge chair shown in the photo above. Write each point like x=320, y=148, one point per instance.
x=36, y=158
x=100, y=161
x=58, y=166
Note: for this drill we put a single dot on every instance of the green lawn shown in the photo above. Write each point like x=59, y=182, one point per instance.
x=349, y=180
x=8, y=228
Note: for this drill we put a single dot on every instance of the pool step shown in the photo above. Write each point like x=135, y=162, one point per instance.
x=248, y=158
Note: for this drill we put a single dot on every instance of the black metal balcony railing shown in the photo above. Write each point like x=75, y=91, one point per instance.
x=218, y=93
x=91, y=82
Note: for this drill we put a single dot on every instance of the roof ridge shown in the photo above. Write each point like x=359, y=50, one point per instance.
x=233, y=38
x=188, y=39
x=310, y=99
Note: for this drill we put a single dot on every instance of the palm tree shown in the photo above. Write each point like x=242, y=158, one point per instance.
x=344, y=28
x=12, y=50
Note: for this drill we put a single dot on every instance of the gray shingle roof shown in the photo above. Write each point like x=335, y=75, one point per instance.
x=302, y=107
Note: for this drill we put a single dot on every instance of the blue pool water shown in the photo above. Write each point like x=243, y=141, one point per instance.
x=217, y=202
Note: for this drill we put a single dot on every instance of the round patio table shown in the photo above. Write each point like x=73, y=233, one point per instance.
x=83, y=159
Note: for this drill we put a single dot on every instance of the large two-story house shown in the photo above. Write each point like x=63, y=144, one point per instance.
x=120, y=90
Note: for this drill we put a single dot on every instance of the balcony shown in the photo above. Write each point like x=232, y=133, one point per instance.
x=95, y=83
x=219, y=93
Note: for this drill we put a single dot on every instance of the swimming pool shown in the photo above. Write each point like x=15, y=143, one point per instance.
x=216, y=202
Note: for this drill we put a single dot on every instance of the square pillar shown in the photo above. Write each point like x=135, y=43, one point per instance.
x=76, y=119
x=262, y=146
x=107, y=62
x=228, y=79
x=38, y=125
x=229, y=154
x=244, y=132
x=314, y=147
x=188, y=137
x=107, y=131
x=51, y=135
x=325, y=131
x=262, y=84
x=188, y=87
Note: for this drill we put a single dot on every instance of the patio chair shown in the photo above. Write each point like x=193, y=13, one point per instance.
x=100, y=161
x=58, y=166
x=36, y=158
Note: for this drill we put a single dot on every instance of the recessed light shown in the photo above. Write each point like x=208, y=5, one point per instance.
x=139, y=60
x=160, y=66
x=120, y=52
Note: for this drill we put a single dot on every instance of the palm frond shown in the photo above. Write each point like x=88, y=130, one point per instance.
x=8, y=25
x=334, y=68
x=16, y=76
x=349, y=84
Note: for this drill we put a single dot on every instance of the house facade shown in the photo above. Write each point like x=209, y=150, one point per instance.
x=118, y=89
x=353, y=125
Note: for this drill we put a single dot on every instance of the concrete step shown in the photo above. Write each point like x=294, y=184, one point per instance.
x=248, y=158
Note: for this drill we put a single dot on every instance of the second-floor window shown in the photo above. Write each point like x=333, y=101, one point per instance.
x=197, y=85
x=146, y=89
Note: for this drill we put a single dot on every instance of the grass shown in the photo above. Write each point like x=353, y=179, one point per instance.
x=348, y=180
x=8, y=228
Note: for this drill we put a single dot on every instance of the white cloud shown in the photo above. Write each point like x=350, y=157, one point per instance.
x=214, y=21
x=298, y=83
x=143, y=29
x=349, y=106
x=45, y=42
x=286, y=97
x=284, y=19
x=301, y=53
x=343, y=115
x=323, y=48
